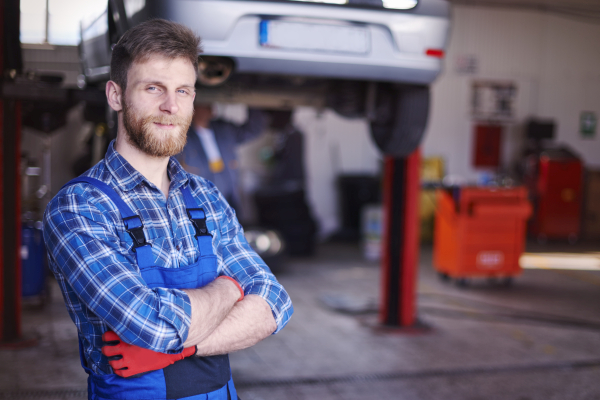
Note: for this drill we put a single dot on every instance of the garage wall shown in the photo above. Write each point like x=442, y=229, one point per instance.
x=554, y=60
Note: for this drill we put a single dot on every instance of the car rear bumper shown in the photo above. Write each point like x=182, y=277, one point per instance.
x=397, y=50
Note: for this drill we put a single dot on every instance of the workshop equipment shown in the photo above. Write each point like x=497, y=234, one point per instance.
x=432, y=173
x=287, y=212
x=33, y=263
x=591, y=211
x=558, y=195
x=480, y=232
x=400, y=251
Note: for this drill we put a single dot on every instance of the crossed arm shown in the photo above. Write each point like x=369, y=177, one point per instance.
x=221, y=324
x=97, y=276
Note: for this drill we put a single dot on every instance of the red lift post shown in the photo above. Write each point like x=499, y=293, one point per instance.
x=10, y=190
x=400, y=243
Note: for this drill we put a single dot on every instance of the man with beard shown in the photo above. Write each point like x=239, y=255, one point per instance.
x=151, y=260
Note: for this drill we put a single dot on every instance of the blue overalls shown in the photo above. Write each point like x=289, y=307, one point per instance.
x=193, y=378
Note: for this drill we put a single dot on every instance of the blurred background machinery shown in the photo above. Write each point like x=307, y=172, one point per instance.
x=553, y=175
x=480, y=232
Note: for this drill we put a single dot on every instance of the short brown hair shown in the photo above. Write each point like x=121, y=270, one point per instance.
x=154, y=37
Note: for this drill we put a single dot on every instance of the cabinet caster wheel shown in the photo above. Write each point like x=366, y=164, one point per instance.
x=542, y=239
x=444, y=277
x=462, y=282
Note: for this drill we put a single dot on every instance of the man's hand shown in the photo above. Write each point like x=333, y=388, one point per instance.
x=128, y=360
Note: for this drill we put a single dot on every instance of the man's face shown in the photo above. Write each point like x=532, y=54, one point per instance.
x=158, y=105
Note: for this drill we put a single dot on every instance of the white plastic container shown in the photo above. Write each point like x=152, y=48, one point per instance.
x=371, y=231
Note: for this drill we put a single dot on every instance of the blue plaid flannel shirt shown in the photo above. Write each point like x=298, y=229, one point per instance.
x=88, y=252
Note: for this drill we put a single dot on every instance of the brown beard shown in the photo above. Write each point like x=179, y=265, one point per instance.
x=140, y=135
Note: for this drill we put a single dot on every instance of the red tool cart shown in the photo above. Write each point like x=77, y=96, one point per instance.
x=557, y=196
x=480, y=233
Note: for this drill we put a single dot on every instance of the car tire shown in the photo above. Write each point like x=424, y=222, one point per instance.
x=399, y=118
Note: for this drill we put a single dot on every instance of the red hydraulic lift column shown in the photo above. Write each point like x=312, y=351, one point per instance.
x=10, y=190
x=400, y=255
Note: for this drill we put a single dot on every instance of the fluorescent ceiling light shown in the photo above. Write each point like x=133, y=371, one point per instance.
x=400, y=4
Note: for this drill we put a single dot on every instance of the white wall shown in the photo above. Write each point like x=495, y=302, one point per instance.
x=554, y=60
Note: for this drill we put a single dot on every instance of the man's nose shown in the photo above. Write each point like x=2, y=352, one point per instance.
x=170, y=104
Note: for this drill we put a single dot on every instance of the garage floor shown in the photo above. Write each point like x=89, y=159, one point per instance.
x=536, y=340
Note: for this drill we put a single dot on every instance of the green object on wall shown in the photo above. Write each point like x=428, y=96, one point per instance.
x=587, y=124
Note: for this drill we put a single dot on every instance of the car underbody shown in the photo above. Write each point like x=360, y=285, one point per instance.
x=363, y=62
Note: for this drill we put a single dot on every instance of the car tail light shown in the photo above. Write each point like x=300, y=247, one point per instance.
x=435, y=53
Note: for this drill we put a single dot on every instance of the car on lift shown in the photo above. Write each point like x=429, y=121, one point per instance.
x=371, y=59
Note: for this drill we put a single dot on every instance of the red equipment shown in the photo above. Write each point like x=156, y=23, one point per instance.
x=400, y=253
x=557, y=195
x=481, y=234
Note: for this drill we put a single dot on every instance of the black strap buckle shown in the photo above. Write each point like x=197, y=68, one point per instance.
x=137, y=233
x=199, y=223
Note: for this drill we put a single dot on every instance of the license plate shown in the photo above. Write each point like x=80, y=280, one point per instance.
x=302, y=36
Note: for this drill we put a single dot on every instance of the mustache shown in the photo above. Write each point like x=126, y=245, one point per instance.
x=168, y=120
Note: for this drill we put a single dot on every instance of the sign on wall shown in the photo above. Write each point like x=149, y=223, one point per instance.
x=493, y=100
x=467, y=64
x=587, y=124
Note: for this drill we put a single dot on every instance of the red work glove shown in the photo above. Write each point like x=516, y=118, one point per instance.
x=128, y=360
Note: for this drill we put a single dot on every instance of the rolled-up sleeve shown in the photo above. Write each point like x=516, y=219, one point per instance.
x=85, y=253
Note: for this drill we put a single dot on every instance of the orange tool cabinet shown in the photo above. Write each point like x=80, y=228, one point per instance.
x=480, y=232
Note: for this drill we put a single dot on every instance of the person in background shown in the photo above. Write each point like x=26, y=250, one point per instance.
x=288, y=152
x=210, y=151
x=281, y=203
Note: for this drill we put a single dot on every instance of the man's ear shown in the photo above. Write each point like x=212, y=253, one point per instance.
x=114, y=95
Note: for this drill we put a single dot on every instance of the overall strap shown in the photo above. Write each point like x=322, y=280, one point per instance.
x=133, y=222
x=198, y=218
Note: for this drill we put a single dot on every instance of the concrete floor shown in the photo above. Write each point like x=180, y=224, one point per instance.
x=536, y=340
